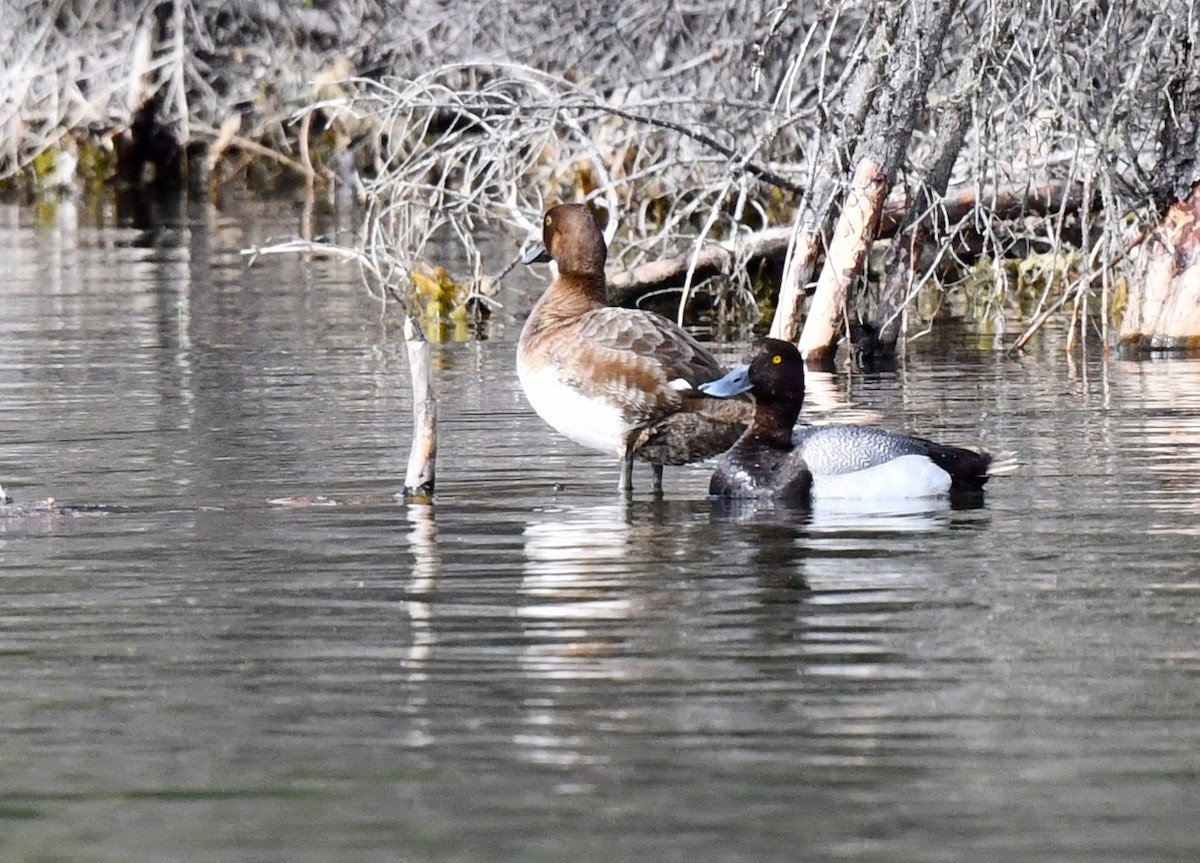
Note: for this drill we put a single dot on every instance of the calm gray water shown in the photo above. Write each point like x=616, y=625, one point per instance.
x=533, y=669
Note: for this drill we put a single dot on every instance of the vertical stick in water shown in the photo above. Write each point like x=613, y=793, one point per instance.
x=418, y=482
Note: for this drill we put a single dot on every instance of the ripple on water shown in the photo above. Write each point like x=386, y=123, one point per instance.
x=532, y=667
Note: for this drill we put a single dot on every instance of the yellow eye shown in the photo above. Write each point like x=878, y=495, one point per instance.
x=776, y=360
x=549, y=220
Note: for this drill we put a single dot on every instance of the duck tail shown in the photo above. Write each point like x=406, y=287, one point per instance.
x=1003, y=463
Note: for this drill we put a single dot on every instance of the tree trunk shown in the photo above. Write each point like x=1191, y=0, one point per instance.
x=422, y=456
x=910, y=70
x=816, y=210
x=1162, y=312
x=926, y=207
x=1163, y=309
x=847, y=252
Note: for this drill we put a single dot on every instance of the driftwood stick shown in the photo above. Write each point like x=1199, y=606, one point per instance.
x=225, y=135
x=422, y=458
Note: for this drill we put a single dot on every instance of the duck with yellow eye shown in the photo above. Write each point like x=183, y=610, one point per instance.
x=777, y=459
x=622, y=381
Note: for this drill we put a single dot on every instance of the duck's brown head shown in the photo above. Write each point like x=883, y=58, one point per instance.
x=571, y=235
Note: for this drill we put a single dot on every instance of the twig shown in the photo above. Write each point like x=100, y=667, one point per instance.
x=292, y=247
x=258, y=149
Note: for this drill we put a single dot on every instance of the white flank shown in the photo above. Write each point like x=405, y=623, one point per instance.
x=903, y=477
x=592, y=423
x=680, y=385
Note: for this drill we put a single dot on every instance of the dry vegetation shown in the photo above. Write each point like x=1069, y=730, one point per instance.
x=698, y=127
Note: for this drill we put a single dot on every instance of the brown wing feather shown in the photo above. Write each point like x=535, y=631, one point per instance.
x=632, y=332
x=705, y=428
x=679, y=426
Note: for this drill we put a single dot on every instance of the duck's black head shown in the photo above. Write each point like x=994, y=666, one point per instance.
x=776, y=372
x=771, y=369
x=773, y=372
x=572, y=236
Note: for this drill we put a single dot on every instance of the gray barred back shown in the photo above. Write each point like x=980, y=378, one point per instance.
x=835, y=449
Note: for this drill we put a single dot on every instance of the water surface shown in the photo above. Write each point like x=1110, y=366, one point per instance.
x=534, y=668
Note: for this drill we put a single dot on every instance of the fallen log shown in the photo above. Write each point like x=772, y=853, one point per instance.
x=770, y=244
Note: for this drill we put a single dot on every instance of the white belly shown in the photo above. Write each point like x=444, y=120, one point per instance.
x=904, y=477
x=592, y=423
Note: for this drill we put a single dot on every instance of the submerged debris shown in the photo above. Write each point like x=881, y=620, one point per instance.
x=10, y=508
